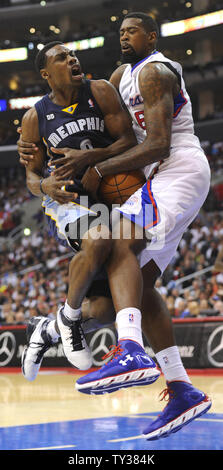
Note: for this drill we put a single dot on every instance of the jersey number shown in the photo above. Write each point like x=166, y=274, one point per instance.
x=86, y=144
x=139, y=115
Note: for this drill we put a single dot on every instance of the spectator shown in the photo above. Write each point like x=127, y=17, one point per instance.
x=218, y=306
x=160, y=287
x=182, y=310
x=194, y=309
x=26, y=292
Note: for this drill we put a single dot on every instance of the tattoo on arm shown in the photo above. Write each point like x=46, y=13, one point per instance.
x=156, y=86
x=155, y=82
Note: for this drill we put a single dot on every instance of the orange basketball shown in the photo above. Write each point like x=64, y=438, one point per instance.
x=116, y=189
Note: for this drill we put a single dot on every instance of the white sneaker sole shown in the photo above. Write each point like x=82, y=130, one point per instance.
x=128, y=379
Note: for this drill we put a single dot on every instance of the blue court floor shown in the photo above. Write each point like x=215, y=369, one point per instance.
x=49, y=414
x=112, y=433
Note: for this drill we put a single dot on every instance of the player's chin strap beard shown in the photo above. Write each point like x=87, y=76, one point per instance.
x=129, y=58
x=133, y=59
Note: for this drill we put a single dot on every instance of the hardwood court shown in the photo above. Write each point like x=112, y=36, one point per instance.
x=50, y=414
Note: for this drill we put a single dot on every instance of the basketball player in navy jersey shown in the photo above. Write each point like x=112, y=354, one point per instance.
x=160, y=108
x=86, y=116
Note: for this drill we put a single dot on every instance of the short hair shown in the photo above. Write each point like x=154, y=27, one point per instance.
x=149, y=24
x=40, y=60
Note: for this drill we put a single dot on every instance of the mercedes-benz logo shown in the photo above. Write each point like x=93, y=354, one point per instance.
x=100, y=343
x=7, y=347
x=215, y=347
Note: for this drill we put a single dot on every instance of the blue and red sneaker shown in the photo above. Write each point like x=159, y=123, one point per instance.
x=185, y=404
x=130, y=366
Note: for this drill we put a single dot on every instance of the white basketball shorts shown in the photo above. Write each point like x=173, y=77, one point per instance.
x=169, y=201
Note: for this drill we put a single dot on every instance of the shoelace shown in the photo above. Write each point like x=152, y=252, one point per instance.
x=77, y=334
x=44, y=348
x=167, y=391
x=115, y=352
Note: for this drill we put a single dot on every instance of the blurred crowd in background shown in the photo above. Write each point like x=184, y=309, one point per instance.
x=34, y=267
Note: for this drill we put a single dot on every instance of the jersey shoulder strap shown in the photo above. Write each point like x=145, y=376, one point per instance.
x=171, y=67
x=88, y=94
x=41, y=109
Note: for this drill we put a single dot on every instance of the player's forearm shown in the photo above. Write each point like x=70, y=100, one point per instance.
x=137, y=157
x=120, y=146
x=33, y=183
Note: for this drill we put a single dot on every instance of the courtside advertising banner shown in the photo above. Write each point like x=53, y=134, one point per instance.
x=200, y=344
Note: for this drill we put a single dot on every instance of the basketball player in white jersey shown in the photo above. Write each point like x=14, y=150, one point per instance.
x=178, y=175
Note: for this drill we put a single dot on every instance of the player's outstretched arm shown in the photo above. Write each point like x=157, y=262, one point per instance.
x=118, y=125
x=117, y=120
x=157, y=86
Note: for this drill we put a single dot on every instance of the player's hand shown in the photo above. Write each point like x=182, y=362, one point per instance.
x=71, y=163
x=91, y=182
x=26, y=150
x=56, y=189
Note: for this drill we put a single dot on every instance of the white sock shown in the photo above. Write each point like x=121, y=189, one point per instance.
x=71, y=313
x=171, y=365
x=128, y=322
x=51, y=330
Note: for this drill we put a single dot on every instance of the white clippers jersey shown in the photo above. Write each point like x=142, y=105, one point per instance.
x=182, y=124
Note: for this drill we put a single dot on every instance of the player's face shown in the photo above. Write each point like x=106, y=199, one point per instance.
x=63, y=67
x=135, y=41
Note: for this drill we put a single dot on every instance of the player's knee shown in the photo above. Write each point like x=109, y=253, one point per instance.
x=129, y=236
x=97, y=245
x=137, y=246
x=100, y=309
x=121, y=246
x=99, y=232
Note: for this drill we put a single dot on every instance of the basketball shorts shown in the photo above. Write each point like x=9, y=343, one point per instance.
x=168, y=202
x=68, y=223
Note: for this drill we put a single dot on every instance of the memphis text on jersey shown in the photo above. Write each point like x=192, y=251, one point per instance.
x=74, y=127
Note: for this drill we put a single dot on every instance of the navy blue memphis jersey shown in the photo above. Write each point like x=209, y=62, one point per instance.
x=78, y=126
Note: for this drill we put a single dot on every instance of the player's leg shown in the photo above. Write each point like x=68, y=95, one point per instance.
x=157, y=320
x=97, y=308
x=157, y=327
x=42, y=333
x=130, y=365
x=125, y=279
x=185, y=401
x=95, y=249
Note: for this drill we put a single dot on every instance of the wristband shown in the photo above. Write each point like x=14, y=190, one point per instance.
x=40, y=186
x=98, y=172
